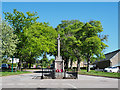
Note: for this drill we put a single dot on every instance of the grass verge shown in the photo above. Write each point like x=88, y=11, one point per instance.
x=13, y=73
x=99, y=73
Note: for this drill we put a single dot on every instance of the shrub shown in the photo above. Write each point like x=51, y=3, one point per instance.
x=14, y=64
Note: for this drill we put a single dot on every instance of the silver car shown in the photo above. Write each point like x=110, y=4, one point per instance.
x=112, y=69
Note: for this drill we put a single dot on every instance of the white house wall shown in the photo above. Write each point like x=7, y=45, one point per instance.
x=115, y=59
x=15, y=60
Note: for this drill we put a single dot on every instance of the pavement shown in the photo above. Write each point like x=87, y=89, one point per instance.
x=83, y=81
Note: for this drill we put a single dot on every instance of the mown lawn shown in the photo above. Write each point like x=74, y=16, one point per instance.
x=13, y=73
x=99, y=73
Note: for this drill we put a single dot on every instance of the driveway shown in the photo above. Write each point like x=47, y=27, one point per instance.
x=83, y=81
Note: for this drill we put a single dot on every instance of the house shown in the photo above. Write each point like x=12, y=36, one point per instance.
x=15, y=60
x=74, y=64
x=111, y=59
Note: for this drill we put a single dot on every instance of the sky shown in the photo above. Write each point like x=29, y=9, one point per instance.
x=54, y=12
x=60, y=0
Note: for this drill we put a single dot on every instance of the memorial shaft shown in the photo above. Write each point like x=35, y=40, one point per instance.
x=58, y=45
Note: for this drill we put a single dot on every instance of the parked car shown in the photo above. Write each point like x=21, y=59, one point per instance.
x=9, y=66
x=112, y=69
x=5, y=66
x=38, y=66
x=92, y=67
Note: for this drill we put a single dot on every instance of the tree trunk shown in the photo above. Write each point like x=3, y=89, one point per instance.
x=26, y=65
x=78, y=64
x=71, y=63
x=29, y=65
x=20, y=65
x=88, y=65
x=66, y=63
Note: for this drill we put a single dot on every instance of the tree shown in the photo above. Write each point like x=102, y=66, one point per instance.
x=5, y=60
x=0, y=39
x=92, y=43
x=44, y=61
x=9, y=40
x=70, y=45
x=18, y=21
x=40, y=38
x=51, y=61
x=81, y=41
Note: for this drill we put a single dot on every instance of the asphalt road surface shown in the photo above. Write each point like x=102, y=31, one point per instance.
x=29, y=81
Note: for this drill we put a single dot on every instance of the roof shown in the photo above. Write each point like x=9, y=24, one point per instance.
x=109, y=55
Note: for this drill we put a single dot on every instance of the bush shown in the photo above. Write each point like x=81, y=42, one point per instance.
x=84, y=68
x=4, y=60
x=74, y=67
x=31, y=65
x=14, y=64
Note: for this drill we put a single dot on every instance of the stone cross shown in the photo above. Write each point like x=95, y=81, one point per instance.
x=58, y=45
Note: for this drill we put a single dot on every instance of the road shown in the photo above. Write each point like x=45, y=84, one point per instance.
x=83, y=81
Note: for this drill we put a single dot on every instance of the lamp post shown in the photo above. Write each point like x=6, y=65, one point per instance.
x=42, y=70
x=12, y=63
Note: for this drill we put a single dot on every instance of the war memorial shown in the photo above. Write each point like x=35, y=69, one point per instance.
x=58, y=71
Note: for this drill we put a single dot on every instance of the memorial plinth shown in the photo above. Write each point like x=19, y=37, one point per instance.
x=59, y=64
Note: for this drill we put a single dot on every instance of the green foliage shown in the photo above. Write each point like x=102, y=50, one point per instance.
x=78, y=40
x=18, y=21
x=9, y=40
x=67, y=31
x=81, y=40
x=35, y=38
x=44, y=61
x=51, y=61
x=40, y=38
x=92, y=43
x=14, y=64
x=4, y=60
x=70, y=44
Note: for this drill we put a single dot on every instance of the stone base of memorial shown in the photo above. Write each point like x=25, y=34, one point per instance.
x=58, y=75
